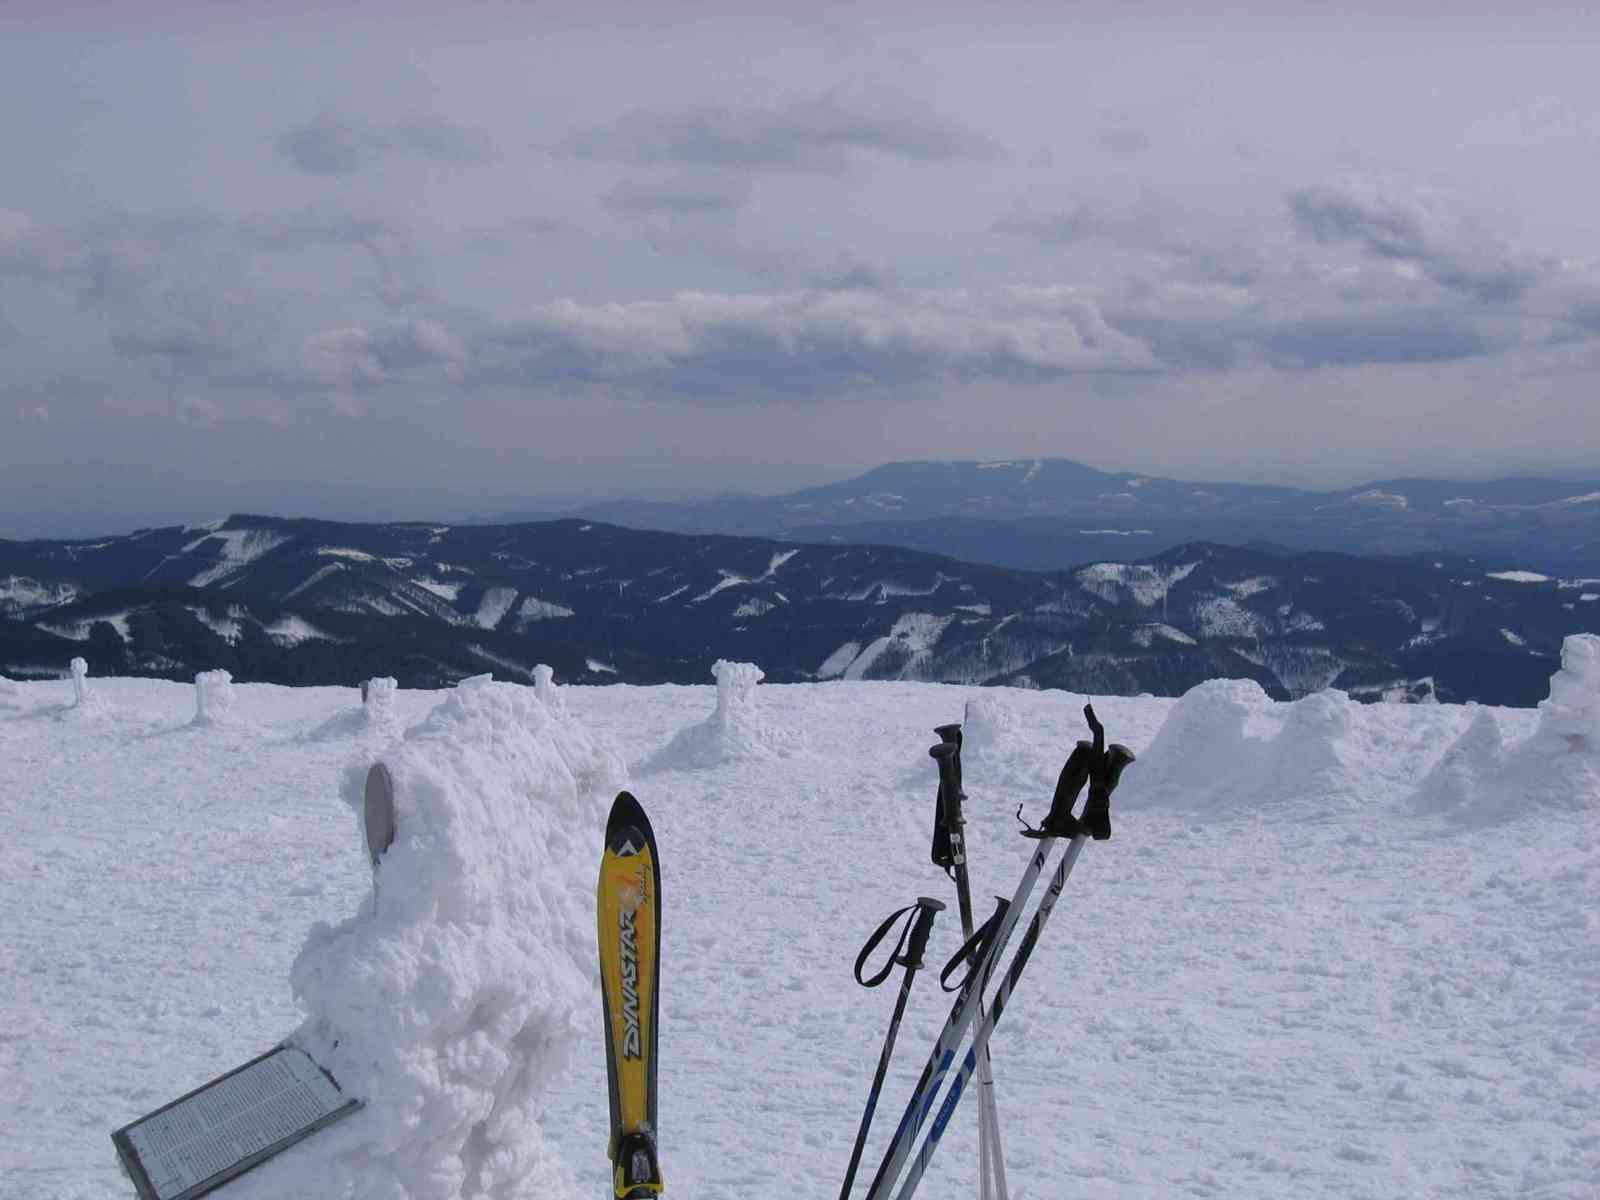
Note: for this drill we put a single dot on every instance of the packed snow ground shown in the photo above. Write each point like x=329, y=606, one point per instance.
x=1332, y=950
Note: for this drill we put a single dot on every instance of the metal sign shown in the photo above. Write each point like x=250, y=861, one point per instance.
x=379, y=812
x=236, y=1122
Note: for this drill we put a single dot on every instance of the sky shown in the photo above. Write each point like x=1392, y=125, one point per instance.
x=409, y=261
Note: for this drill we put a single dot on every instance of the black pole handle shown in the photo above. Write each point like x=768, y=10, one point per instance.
x=910, y=946
x=948, y=756
x=927, y=909
x=953, y=735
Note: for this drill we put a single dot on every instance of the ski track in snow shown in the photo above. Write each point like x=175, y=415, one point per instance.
x=1336, y=999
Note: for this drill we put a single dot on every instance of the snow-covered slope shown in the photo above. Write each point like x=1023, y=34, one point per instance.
x=1332, y=951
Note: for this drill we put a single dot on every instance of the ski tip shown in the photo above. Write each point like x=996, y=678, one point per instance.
x=627, y=828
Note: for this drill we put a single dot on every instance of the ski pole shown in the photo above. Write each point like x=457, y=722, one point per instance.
x=909, y=950
x=1073, y=776
x=1105, y=773
x=991, y=1162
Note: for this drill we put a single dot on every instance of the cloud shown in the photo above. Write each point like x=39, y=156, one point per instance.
x=813, y=343
x=822, y=133
x=401, y=281
x=334, y=143
x=1060, y=227
x=1409, y=229
x=679, y=197
x=357, y=357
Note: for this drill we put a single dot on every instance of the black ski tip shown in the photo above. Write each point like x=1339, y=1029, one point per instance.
x=627, y=828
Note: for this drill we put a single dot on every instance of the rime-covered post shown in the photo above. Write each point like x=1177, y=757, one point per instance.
x=735, y=682
x=80, y=682
x=377, y=697
x=213, y=697
x=544, y=686
x=1572, y=713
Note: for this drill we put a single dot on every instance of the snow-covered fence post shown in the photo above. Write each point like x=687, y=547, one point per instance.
x=735, y=683
x=80, y=682
x=1572, y=713
x=377, y=697
x=213, y=697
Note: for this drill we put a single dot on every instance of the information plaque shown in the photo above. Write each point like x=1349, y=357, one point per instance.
x=238, y=1121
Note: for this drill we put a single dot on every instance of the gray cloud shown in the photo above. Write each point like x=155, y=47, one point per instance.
x=401, y=274
x=809, y=344
x=678, y=197
x=357, y=357
x=1060, y=227
x=820, y=133
x=1407, y=229
x=334, y=143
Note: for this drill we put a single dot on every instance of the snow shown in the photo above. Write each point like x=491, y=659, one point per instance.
x=496, y=602
x=240, y=547
x=911, y=639
x=835, y=664
x=1148, y=585
x=1332, y=950
x=1252, y=586
x=226, y=628
x=18, y=593
x=1514, y=638
x=292, y=630
x=445, y=591
x=1224, y=617
x=534, y=609
x=315, y=577
x=1143, y=635
x=1519, y=576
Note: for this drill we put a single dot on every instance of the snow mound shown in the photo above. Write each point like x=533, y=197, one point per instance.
x=1207, y=753
x=452, y=998
x=213, y=698
x=1319, y=757
x=1482, y=779
x=738, y=728
x=1456, y=782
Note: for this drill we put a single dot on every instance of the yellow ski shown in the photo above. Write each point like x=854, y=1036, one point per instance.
x=628, y=916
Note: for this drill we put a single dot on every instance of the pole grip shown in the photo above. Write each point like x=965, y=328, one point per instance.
x=948, y=756
x=927, y=909
x=953, y=735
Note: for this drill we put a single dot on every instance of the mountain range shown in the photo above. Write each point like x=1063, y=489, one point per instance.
x=304, y=601
x=1053, y=513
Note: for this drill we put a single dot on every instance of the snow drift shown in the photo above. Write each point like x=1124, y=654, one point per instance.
x=452, y=997
x=1227, y=747
x=1483, y=778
